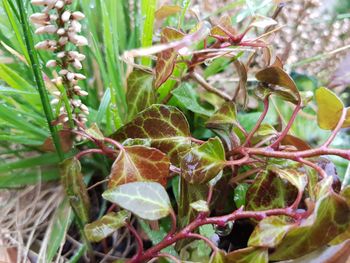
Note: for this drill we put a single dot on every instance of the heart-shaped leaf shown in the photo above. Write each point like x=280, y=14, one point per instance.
x=188, y=98
x=140, y=93
x=139, y=163
x=248, y=255
x=165, y=126
x=285, y=86
x=166, y=59
x=147, y=200
x=202, y=163
x=296, y=178
x=269, y=232
x=225, y=22
x=330, y=217
x=105, y=226
x=75, y=188
x=330, y=109
x=298, y=143
x=269, y=191
x=224, y=118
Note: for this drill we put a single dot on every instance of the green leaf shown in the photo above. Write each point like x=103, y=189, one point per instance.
x=139, y=163
x=224, y=118
x=75, y=188
x=286, y=87
x=95, y=132
x=239, y=194
x=269, y=191
x=329, y=218
x=330, y=109
x=165, y=126
x=225, y=22
x=202, y=163
x=188, y=98
x=218, y=257
x=248, y=255
x=166, y=59
x=269, y=232
x=105, y=226
x=140, y=94
x=147, y=200
x=200, y=206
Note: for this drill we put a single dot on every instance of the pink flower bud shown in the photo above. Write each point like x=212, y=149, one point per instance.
x=78, y=15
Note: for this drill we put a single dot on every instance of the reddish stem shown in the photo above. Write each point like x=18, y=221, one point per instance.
x=320, y=171
x=238, y=162
x=260, y=120
x=115, y=143
x=336, y=130
x=89, y=151
x=221, y=221
x=138, y=255
x=289, y=125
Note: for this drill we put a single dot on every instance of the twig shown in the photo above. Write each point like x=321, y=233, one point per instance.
x=337, y=129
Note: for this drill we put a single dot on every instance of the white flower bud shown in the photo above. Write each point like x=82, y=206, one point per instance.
x=70, y=76
x=76, y=26
x=39, y=18
x=50, y=29
x=76, y=55
x=63, y=72
x=78, y=15
x=82, y=93
x=57, y=80
x=66, y=16
x=76, y=103
x=84, y=109
x=79, y=40
x=79, y=76
x=61, y=54
x=65, y=119
x=59, y=4
x=51, y=64
x=43, y=45
x=76, y=88
x=77, y=64
x=63, y=41
x=61, y=31
x=53, y=17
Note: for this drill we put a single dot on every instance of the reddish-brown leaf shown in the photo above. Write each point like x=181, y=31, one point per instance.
x=139, y=163
x=167, y=10
x=166, y=59
x=65, y=139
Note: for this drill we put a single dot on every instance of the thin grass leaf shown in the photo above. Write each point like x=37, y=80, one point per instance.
x=148, y=12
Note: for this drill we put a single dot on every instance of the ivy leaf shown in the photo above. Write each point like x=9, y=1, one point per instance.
x=330, y=109
x=167, y=10
x=66, y=142
x=139, y=163
x=286, y=87
x=75, y=188
x=165, y=126
x=105, y=226
x=330, y=217
x=187, y=97
x=248, y=255
x=269, y=232
x=269, y=191
x=262, y=21
x=224, y=118
x=202, y=163
x=166, y=59
x=200, y=206
x=298, y=179
x=226, y=23
x=147, y=200
x=140, y=93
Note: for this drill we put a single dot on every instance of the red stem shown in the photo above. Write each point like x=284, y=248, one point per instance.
x=336, y=130
x=260, y=120
x=320, y=171
x=89, y=151
x=221, y=221
x=289, y=125
x=138, y=255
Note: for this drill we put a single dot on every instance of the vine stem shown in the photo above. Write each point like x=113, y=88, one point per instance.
x=289, y=125
x=221, y=221
x=138, y=255
x=260, y=120
x=336, y=130
x=34, y=60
